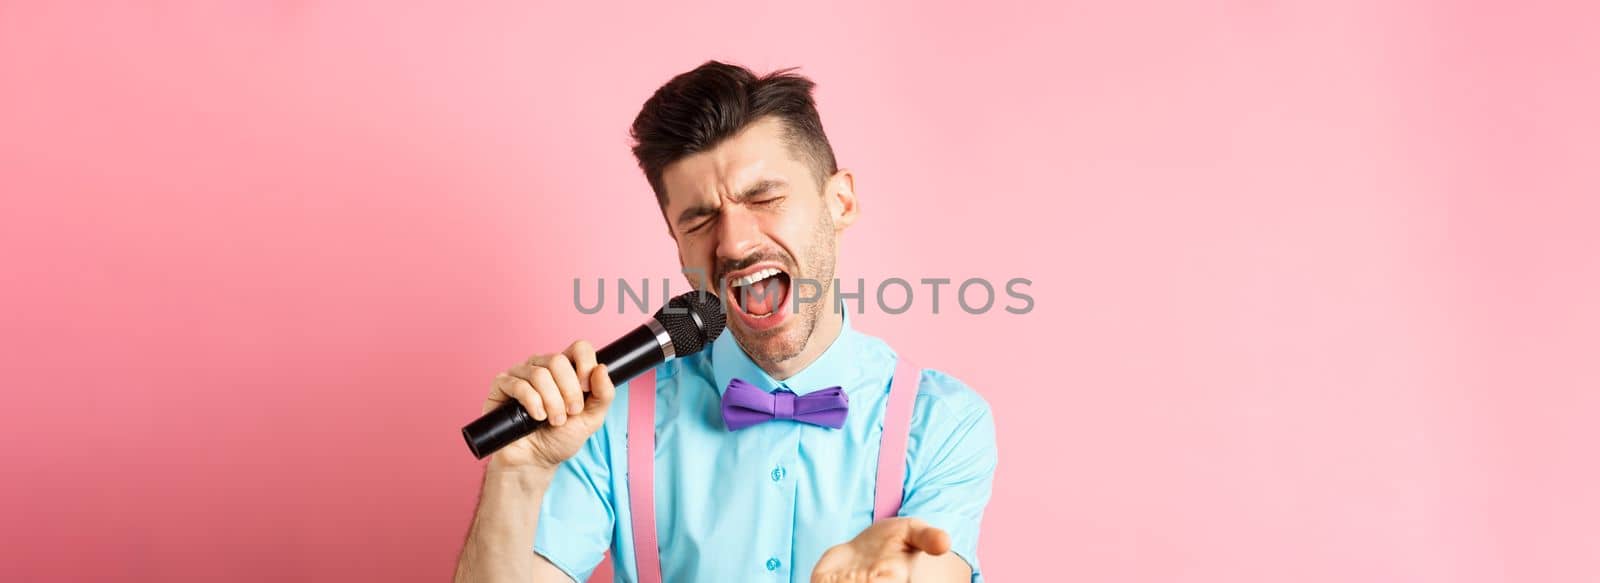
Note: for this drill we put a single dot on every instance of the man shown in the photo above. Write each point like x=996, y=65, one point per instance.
x=747, y=182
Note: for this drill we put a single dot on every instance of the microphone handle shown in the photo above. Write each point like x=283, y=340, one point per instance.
x=635, y=352
x=627, y=357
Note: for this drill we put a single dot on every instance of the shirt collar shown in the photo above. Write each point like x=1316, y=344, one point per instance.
x=834, y=368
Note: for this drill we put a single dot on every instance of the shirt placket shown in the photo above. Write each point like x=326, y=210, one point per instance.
x=784, y=476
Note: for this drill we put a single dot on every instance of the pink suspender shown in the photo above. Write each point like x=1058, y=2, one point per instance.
x=642, y=475
x=896, y=436
x=642, y=448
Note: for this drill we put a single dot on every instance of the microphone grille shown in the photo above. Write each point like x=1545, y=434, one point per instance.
x=693, y=320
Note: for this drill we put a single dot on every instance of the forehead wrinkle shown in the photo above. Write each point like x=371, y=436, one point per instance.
x=735, y=166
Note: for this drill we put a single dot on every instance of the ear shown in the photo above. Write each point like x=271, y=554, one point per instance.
x=840, y=195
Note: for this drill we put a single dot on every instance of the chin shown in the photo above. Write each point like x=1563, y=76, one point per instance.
x=771, y=346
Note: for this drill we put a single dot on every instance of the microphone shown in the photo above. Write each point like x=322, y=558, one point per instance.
x=687, y=324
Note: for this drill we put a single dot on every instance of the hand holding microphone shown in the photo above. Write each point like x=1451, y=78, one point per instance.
x=540, y=412
x=568, y=393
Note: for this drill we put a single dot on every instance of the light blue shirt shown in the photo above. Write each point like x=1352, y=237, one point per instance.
x=763, y=503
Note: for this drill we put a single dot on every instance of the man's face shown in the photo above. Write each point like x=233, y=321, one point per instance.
x=750, y=215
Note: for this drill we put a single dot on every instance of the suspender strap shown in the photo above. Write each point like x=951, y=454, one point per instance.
x=896, y=437
x=642, y=473
x=642, y=447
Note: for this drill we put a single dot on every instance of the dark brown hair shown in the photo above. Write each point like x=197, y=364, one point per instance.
x=699, y=109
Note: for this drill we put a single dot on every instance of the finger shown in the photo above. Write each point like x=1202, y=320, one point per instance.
x=583, y=360
x=567, y=381
x=929, y=539
x=507, y=387
x=553, y=402
x=601, y=395
x=525, y=371
x=498, y=395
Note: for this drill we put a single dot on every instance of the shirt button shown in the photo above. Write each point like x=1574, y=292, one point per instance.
x=773, y=564
x=778, y=473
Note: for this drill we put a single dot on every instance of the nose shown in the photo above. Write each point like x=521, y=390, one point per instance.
x=738, y=233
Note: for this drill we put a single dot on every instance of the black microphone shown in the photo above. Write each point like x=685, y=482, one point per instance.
x=687, y=324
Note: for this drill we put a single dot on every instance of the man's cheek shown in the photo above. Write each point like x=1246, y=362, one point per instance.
x=699, y=277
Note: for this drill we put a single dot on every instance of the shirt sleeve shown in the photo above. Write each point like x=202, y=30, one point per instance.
x=577, y=515
x=951, y=460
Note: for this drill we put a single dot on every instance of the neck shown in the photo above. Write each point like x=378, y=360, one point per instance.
x=829, y=324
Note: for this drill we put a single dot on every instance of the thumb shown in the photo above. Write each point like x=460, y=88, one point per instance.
x=928, y=539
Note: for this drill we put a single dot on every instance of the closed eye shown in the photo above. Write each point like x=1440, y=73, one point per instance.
x=693, y=218
x=698, y=226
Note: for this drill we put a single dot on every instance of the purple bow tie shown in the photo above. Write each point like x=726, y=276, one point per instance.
x=744, y=404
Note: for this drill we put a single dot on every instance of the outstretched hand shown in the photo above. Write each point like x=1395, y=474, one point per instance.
x=883, y=553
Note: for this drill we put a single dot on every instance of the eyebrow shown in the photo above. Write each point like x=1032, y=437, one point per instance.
x=762, y=186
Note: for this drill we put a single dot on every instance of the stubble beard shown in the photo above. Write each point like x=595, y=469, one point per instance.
x=775, y=347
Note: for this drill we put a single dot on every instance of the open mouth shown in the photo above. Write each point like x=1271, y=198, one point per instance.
x=760, y=293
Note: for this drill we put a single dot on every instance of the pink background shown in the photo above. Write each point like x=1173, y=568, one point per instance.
x=1317, y=285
